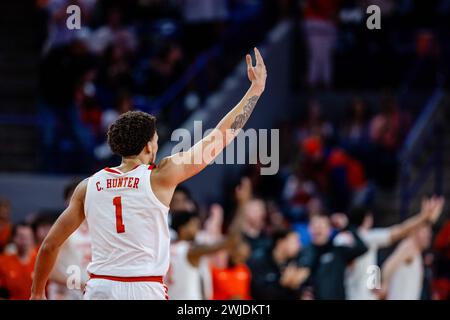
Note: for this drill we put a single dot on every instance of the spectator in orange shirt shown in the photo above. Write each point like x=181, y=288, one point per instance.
x=233, y=282
x=5, y=224
x=16, y=268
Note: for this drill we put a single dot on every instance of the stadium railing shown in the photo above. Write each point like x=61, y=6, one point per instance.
x=425, y=140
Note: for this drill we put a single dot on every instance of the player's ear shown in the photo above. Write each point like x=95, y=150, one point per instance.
x=148, y=147
x=155, y=138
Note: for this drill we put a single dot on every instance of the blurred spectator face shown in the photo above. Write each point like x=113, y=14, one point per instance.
x=191, y=229
x=240, y=253
x=42, y=231
x=320, y=229
x=23, y=238
x=423, y=236
x=181, y=202
x=290, y=245
x=5, y=210
x=255, y=214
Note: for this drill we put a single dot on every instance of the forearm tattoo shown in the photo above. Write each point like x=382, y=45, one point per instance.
x=242, y=118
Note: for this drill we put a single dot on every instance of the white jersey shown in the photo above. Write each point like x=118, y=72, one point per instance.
x=74, y=257
x=183, y=279
x=359, y=275
x=127, y=223
x=407, y=280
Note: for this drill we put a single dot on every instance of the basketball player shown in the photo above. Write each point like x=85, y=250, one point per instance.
x=126, y=207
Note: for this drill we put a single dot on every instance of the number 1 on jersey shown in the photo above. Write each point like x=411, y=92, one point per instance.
x=117, y=202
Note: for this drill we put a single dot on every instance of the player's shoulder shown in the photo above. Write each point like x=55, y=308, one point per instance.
x=163, y=164
x=81, y=190
x=83, y=184
x=162, y=170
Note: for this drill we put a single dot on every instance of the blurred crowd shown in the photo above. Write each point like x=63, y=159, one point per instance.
x=341, y=51
x=255, y=252
x=272, y=260
x=341, y=160
x=132, y=55
x=166, y=57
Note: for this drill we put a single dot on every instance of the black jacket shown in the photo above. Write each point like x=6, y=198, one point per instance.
x=266, y=274
x=327, y=264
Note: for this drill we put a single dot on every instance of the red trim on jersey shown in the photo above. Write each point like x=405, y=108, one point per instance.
x=117, y=171
x=166, y=295
x=129, y=279
x=152, y=166
x=112, y=170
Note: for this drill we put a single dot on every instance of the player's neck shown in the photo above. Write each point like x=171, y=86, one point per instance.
x=129, y=164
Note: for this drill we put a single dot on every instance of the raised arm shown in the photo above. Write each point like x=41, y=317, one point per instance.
x=66, y=224
x=430, y=211
x=243, y=194
x=197, y=251
x=175, y=169
x=357, y=248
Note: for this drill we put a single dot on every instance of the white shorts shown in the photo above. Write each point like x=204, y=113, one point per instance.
x=103, y=289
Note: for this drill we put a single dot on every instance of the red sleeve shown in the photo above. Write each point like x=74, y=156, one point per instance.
x=442, y=240
x=2, y=272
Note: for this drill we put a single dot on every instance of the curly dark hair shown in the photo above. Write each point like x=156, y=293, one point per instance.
x=129, y=134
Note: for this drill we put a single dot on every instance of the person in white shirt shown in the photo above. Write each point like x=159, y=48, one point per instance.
x=403, y=271
x=359, y=274
x=69, y=276
x=185, y=276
